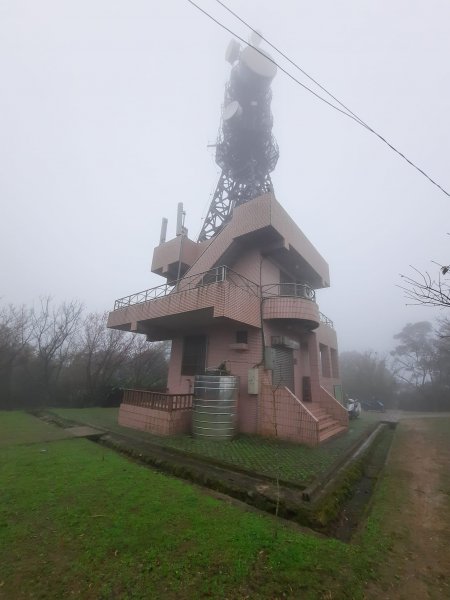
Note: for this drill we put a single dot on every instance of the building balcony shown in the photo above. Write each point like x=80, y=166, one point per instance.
x=292, y=301
x=324, y=320
x=167, y=310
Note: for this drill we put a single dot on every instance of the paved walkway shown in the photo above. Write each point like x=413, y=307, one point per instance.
x=84, y=431
x=400, y=415
x=417, y=566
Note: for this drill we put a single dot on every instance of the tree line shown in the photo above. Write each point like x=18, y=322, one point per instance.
x=60, y=355
x=415, y=375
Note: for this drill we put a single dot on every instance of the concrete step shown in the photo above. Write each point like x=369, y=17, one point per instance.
x=332, y=432
x=317, y=412
x=326, y=423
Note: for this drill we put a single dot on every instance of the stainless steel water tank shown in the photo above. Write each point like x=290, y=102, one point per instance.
x=215, y=406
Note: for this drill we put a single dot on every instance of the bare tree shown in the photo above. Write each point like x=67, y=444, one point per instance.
x=52, y=330
x=52, y=354
x=148, y=363
x=414, y=357
x=422, y=288
x=105, y=352
x=15, y=333
x=365, y=375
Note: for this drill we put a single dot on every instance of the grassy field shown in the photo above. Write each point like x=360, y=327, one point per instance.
x=296, y=464
x=21, y=428
x=79, y=521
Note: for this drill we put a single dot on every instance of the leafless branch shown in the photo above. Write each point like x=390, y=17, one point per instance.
x=423, y=289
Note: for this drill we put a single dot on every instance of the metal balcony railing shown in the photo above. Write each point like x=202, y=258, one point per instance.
x=296, y=290
x=216, y=275
x=324, y=319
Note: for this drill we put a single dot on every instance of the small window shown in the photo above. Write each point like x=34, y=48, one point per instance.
x=194, y=355
x=334, y=363
x=241, y=337
x=325, y=360
x=306, y=389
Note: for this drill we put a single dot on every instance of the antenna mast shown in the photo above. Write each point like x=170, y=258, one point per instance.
x=246, y=151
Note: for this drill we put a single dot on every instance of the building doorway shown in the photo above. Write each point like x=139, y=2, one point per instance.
x=283, y=368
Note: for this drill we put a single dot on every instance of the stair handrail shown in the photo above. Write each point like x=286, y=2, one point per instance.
x=302, y=405
x=340, y=412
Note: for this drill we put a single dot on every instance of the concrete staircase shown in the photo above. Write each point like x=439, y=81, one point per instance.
x=329, y=428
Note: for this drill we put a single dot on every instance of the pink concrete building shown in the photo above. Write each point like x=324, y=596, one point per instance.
x=247, y=298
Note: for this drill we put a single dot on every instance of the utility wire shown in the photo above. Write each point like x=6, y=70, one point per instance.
x=294, y=64
x=281, y=53
x=270, y=59
x=347, y=112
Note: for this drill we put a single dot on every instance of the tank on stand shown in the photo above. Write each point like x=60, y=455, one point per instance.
x=215, y=407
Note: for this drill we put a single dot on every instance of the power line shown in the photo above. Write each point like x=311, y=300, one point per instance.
x=294, y=64
x=270, y=59
x=347, y=112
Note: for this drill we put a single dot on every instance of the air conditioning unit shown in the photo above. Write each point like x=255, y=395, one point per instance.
x=285, y=342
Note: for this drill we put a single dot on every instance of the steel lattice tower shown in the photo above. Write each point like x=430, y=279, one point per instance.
x=246, y=150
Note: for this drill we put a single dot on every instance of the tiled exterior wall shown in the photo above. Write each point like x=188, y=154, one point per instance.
x=249, y=265
x=180, y=422
x=238, y=362
x=306, y=359
x=219, y=339
x=254, y=215
x=169, y=252
x=256, y=267
x=159, y=422
x=245, y=219
x=281, y=415
x=291, y=308
x=293, y=236
x=327, y=337
x=177, y=383
x=333, y=407
x=224, y=298
x=234, y=308
x=314, y=363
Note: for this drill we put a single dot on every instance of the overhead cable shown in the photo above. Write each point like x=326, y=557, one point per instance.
x=344, y=110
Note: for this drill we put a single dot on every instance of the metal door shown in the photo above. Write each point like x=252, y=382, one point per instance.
x=283, y=368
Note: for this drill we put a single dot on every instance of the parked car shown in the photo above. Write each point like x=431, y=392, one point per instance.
x=373, y=404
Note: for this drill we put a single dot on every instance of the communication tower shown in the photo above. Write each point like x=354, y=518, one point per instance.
x=246, y=150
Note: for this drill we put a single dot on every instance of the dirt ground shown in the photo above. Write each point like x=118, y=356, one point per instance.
x=418, y=564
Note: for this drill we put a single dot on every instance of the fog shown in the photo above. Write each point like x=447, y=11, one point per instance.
x=107, y=108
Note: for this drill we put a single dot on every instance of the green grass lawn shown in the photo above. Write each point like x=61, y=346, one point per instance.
x=80, y=521
x=21, y=428
x=296, y=464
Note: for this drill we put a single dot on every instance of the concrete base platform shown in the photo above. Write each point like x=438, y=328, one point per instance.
x=84, y=431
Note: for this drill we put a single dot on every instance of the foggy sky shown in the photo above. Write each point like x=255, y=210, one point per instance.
x=107, y=107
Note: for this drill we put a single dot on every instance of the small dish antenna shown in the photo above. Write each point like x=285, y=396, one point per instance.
x=232, y=52
x=232, y=110
x=259, y=62
x=255, y=38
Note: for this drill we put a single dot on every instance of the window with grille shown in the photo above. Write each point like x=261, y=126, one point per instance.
x=194, y=355
x=241, y=337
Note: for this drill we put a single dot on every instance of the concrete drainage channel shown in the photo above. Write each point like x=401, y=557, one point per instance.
x=335, y=505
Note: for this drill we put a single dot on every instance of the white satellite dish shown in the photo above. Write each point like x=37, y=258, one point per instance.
x=232, y=51
x=234, y=109
x=257, y=62
x=255, y=38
